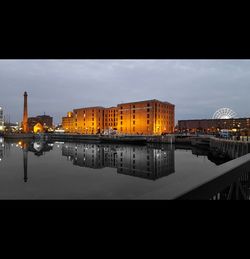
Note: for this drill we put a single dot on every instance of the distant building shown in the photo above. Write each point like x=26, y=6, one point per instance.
x=151, y=117
x=40, y=123
x=213, y=125
x=1, y=119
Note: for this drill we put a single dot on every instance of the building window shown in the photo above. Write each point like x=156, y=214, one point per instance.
x=133, y=106
x=133, y=122
x=148, y=104
x=121, y=128
x=121, y=117
x=121, y=122
x=147, y=110
x=133, y=128
x=147, y=115
x=133, y=116
x=147, y=121
x=133, y=111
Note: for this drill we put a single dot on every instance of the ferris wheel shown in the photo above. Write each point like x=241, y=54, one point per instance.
x=224, y=113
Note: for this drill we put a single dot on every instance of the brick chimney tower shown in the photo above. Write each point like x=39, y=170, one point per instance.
x=25, y=113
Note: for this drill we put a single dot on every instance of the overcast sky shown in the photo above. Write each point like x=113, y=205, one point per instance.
x=197, y=87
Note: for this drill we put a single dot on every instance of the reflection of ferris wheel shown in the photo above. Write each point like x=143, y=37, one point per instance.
x=224, y=113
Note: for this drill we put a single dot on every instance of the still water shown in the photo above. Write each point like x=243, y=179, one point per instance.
x=42, y=170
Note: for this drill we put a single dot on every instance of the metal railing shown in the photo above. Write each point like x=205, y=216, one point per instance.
x=229, y=181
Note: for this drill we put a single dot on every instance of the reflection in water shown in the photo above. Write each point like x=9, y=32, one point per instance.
x=38, y=148
x=1, y=148
x=25, y=161
x=4, y=148
x=149, y=162
x=139, y=161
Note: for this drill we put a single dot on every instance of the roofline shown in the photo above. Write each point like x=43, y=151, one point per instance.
x=242, y=118
x=152, y=100
x=85, y=108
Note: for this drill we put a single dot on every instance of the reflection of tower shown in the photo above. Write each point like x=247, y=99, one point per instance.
x=25, y=113
x=25, y=161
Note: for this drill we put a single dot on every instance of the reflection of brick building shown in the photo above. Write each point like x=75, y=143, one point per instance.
x=45, y=120
x=84, y=155
x=213, y=125
x=139, y=161
x=150, y=117
x=145, y=162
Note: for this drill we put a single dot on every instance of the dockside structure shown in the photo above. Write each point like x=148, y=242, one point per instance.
x=214, y=125
x=150, y=117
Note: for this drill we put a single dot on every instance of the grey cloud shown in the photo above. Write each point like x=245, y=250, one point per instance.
x=196, y=87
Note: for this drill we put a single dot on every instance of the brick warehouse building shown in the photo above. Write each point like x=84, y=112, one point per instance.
x=214, y=125
x=150, y=117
